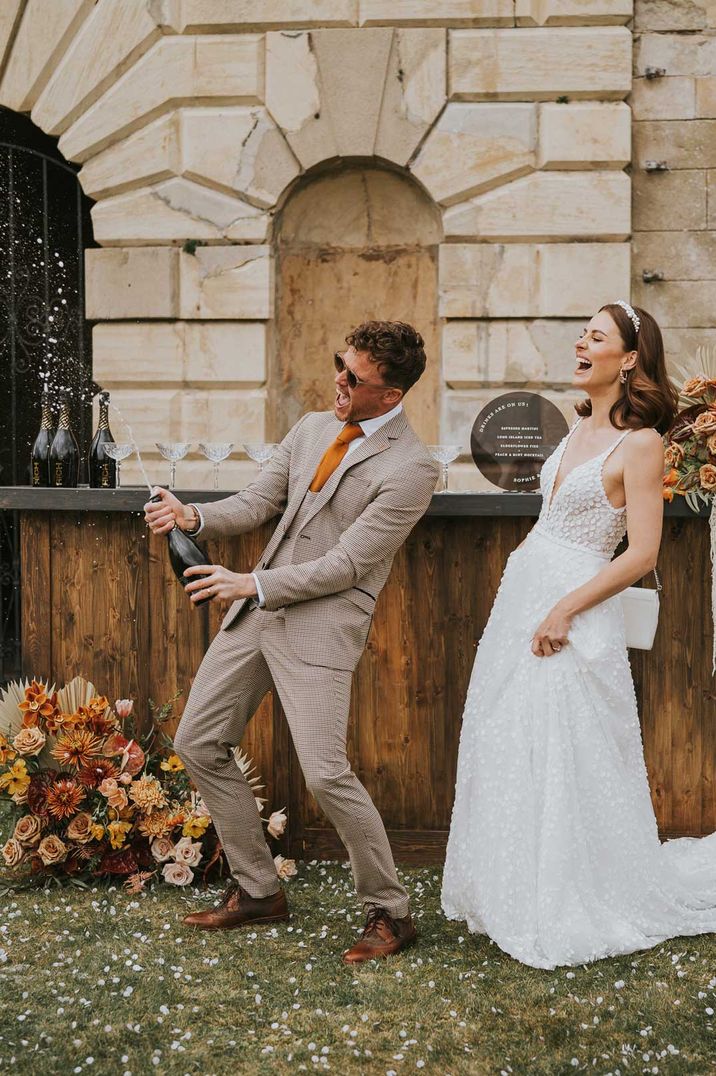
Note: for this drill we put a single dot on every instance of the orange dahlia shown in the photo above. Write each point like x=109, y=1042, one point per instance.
x=76, y=747
x=98, y=770
x=64, y=797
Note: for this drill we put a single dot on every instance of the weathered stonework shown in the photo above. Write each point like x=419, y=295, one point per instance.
x=572, y=12
x=584, y=134
x=511, y=352
x=44, y=33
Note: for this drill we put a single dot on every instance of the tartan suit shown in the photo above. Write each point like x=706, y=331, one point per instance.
x=320, y=574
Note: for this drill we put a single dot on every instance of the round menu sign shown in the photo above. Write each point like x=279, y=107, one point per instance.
x=513, y=436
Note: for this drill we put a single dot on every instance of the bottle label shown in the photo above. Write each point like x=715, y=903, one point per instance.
x=36, y=473
x=59, y=473
x=104, y=479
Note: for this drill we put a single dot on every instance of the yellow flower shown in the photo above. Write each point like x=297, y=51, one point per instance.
x=17, y=779
x=173, y=764
x=7, y=753
x=118, y=833
x=196, y=827
x=97, y=831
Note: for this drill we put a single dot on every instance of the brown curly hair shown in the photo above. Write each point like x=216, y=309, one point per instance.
x=396, y=348
x=648, y=398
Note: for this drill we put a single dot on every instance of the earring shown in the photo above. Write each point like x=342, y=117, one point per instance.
x=623, y=376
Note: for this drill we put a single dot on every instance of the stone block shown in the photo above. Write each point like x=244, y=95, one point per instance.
x=174, y=211
x=137, y=282
x=681, y=145
x=584, y=134
x=680, y=344
x=429, y=13
x=711, y=198
x=706, y=97
x=474, y=147
x=414, y=93
x=664, y=98
x=680, y=255
x=194, y=353
x=109, y=42
x=521, y=280
x=228, y=67
x=9, y=21
x=150, y=154
x=676, y=198
x=510, y=352
x=294, y=97
x=353, y=66
x=674, y=15
x=460, y=408
x=504, y=64
x=227, y=282
x=241, y=16
x=545, y=205
x=683, y=304
x=44, y=34
x=573, y=12
x=691, y=55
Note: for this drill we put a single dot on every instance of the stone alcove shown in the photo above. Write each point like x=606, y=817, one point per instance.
x=352, y=242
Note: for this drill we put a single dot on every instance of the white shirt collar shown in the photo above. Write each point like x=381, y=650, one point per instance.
x=370, y=425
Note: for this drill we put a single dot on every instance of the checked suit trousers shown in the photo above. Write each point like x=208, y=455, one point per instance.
x=240, y=666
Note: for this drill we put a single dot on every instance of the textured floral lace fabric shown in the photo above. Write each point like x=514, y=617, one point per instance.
x=553, y=848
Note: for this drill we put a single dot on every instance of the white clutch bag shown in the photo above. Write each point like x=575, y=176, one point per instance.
x=641, y=614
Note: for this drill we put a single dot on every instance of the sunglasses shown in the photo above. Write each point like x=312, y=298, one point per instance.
x=353, y=379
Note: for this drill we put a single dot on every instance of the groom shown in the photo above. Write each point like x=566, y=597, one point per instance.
x=349, y=486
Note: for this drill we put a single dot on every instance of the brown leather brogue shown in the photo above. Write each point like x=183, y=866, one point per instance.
x=382, y=936
x=238, y=909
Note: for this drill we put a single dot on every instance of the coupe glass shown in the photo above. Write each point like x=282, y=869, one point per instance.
x=260, y=452
x=444, y=454
x=216, y=451
x=119, y=451
x=173, y=451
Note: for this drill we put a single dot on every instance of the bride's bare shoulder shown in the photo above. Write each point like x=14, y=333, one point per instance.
x=644, y=447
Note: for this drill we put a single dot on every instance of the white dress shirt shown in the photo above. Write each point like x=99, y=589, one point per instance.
x=368, y=426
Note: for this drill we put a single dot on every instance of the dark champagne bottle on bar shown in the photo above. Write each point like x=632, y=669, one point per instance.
x=64, y=453
x=40, y=457
x=102, y=469
x=184, y=553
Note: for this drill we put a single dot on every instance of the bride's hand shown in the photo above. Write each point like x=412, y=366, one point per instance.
x=552, y=634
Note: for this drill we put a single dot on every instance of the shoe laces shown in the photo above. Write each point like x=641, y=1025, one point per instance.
x=231, y=889
x=380, y=922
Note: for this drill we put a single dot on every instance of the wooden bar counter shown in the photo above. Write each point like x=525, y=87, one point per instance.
x=99, y=599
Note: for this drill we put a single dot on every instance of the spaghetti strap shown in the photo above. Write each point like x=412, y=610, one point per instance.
x=607, y=453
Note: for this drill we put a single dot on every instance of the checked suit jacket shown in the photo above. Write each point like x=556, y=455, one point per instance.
x=342, y=547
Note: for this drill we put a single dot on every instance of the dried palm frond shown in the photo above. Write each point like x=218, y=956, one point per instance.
x=75, y=694
x=247, y=767
x=701, y=364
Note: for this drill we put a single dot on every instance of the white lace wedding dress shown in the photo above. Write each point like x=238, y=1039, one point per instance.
x=553, y=848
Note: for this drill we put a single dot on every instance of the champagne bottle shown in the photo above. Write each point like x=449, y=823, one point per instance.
x=40, y=456
x=102, y=469
x=64, y=453
x=184, y=553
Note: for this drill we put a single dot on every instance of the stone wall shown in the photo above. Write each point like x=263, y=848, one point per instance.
x=193, y=120
x=675, y=209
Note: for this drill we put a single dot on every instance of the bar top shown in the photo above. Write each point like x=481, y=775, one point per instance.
x=132, y=499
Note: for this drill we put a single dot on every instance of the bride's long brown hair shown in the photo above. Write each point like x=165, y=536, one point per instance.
x=648, y=398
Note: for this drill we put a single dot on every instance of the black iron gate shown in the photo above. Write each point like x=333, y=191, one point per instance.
x=44, y=228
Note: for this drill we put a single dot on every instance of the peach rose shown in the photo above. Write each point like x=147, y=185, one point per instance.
x=711, y=444
x=52, y=850
x=277, y=823
x=673, y=455
x=177, y=873
x=13, y=852
x=695, y=387
x=285, y=868
x=116, y=796
x=187, y=851
x=28, y=829
x=162, y=849
x=80, y=828
x=707, y=477
x=29, y=741
x=705, y=423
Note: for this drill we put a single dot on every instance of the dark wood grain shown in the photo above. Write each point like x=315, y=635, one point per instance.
x=36, y=616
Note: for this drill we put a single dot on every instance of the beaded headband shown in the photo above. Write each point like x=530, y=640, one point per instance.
x=630, y=312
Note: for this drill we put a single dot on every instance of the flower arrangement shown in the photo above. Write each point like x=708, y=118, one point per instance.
x=92, y=799
x=690, y=453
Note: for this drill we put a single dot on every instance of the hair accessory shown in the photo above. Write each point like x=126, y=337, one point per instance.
x=630, y=312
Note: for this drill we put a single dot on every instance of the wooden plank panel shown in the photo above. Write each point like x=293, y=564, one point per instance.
x=99, y=579
x=36, y=620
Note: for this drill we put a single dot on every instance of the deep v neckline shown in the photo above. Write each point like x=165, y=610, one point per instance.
x=555, y=489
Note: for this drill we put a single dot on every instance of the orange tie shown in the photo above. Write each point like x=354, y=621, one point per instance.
x=334, y=454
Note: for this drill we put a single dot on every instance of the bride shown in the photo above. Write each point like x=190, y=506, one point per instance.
x=553, y=848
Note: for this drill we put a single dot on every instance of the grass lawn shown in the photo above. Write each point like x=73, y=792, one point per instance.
x=98, y=981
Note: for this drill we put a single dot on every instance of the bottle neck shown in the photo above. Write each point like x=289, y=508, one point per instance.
x=103, y=423
x=64, y=417
x=46, y=423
